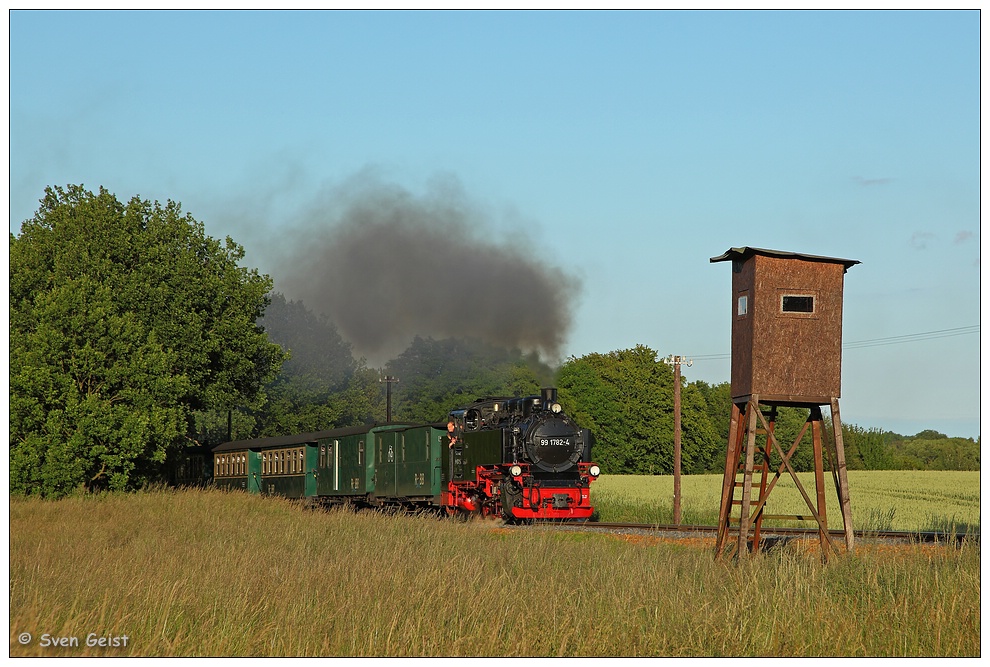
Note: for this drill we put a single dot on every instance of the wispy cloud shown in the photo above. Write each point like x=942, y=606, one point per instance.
x=919, y=240
x=964, y=236
x=871, y=181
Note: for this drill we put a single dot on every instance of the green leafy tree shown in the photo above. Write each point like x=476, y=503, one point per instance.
x=702, y=445
x=309, y=393
x=626, y=398
x=867, y=449
x=438, y=375
x=935, y=453
x=718, y=406
x=125, y=320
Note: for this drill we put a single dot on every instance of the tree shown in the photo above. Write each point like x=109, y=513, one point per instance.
x=626, y=397
x=438, y=375
x=125, y=319
x=870, y=449
x=703, y=446
x=309, y=392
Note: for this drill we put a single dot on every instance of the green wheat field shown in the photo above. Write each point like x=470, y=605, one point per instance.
x=214, y=573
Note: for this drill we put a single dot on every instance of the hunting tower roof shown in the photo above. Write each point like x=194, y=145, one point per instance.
x=746, y=252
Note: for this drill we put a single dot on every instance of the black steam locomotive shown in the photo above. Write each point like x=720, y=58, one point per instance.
x=522, y=458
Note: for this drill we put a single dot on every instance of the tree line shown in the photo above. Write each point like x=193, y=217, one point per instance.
x=134, y=336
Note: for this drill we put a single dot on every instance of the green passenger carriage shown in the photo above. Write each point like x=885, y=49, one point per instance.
x=374, y=465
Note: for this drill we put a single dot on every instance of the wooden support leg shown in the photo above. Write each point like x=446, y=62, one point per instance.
x=816, y=439
x=729, y=478
x=840, y=457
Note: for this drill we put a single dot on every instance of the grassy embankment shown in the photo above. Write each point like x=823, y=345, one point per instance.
x=211, y=573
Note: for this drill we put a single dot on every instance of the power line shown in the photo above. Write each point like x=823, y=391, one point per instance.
x=908, y=338
x=878, y=342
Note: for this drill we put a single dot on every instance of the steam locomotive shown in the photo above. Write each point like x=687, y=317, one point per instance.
x=522, y=458
x=518, y=458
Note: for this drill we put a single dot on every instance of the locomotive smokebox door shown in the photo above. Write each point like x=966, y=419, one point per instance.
x=786, y=325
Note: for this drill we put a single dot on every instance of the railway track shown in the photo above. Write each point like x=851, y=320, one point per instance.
x=685, y=531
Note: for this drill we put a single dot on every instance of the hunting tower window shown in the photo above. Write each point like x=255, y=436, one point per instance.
x=797, y=303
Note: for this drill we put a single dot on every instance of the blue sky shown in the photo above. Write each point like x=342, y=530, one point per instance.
x=625, y=148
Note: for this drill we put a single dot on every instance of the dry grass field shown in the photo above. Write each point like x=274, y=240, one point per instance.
x=211, y=573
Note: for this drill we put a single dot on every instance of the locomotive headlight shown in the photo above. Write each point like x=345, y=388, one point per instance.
x=515, y=471
x=555, y=408
x=594, y=471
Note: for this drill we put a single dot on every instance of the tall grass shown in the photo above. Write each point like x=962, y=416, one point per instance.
x=209, y=573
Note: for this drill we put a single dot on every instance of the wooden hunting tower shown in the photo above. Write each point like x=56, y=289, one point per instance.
x=786, y=351
x=786, y=325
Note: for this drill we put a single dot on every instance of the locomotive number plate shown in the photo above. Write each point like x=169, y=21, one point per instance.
x=555, y=442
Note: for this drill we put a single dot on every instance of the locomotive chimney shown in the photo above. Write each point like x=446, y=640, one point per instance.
x=549, y=396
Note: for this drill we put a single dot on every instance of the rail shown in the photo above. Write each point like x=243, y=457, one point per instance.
x=932, y=536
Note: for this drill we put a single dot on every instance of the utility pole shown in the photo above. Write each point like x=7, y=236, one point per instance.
x=676, y=361
x=388, y=380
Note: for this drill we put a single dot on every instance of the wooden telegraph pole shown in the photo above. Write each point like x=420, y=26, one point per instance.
x=676, y=361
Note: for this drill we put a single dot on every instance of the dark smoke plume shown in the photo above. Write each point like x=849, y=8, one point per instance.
x=385, y=266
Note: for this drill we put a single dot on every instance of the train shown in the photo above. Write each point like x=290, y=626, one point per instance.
x=517, y=458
